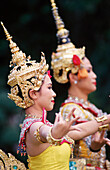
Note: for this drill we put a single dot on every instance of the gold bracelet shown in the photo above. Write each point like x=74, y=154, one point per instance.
x=70, y=140
x=51, y=140
x=101, y=118
x=103, y=127
x=37, y=135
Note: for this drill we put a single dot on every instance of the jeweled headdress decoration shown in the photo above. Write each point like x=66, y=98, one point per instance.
x=67, y=57
x=9, y=162
x=25, y=74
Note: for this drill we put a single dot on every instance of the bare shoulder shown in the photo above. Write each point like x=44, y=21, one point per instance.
x=33, y=146
x=35, y=126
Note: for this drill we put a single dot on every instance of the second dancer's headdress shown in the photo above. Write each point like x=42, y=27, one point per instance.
x=67, y=57
x=26, y=74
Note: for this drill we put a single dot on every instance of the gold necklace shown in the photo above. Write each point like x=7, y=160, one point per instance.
x=32, y=116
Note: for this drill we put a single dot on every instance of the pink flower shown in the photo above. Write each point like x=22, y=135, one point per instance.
x=76, y=60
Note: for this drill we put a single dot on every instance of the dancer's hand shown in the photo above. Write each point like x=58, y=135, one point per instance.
x=62, y=127
x=98, y=140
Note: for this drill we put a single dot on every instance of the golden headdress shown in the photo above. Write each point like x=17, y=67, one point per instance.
x=25, y=75
x=67, y=57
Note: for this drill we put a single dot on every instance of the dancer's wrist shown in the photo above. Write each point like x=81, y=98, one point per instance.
x=51, y=140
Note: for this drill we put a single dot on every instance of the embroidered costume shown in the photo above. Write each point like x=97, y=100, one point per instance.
x=66, y=59
x=28, y=74
x=52, y=157
x=86, y=111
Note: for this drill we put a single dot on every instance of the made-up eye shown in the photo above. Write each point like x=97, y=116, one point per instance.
x=88, y=70
x=28, y=64
x=50, y=87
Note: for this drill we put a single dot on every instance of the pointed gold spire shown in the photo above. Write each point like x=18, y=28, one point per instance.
x=6, y=32
x=62, y=60
x=62, y=33
x=58, y=20
x=17, y=56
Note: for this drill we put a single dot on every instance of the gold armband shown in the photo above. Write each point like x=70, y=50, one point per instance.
x=103, y=127
x=101, y=118
x=37, y=135
x=51, y=140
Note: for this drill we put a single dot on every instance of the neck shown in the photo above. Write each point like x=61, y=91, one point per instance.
x=34, y=112
x=76, y=92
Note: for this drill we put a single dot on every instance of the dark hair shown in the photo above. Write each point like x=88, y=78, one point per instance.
x=68, y=83
x=20, y=92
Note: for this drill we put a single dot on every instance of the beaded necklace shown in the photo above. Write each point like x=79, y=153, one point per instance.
x=87, y=103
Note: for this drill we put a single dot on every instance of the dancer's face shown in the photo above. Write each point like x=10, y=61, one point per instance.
x=88, y=84
x=46, y=94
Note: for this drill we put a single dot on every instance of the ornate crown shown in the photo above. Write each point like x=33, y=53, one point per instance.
x=25, y=74
x=67, y=57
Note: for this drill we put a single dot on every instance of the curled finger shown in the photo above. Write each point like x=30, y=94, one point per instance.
x=102, y=134
x=70, y=114
x=74, y=120
x=107, y=141
x=56, y=118
x=60, y=116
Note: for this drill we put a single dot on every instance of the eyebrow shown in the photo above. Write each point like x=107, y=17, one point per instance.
x=49, y=84
x=90, y=67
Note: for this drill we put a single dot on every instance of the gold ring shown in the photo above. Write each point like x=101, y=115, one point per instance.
x=67, y=120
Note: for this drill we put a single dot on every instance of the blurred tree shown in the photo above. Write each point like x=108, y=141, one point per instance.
x=32, y=26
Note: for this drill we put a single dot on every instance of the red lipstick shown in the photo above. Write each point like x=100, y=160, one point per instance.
x=53, y=101
x=95, y=83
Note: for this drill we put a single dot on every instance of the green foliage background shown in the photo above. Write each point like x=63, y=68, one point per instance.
x=32, y=26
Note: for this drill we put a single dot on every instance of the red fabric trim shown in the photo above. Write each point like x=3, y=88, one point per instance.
x=83, y=121
x=65, y=141
x=22, y=139
x=86, y=108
